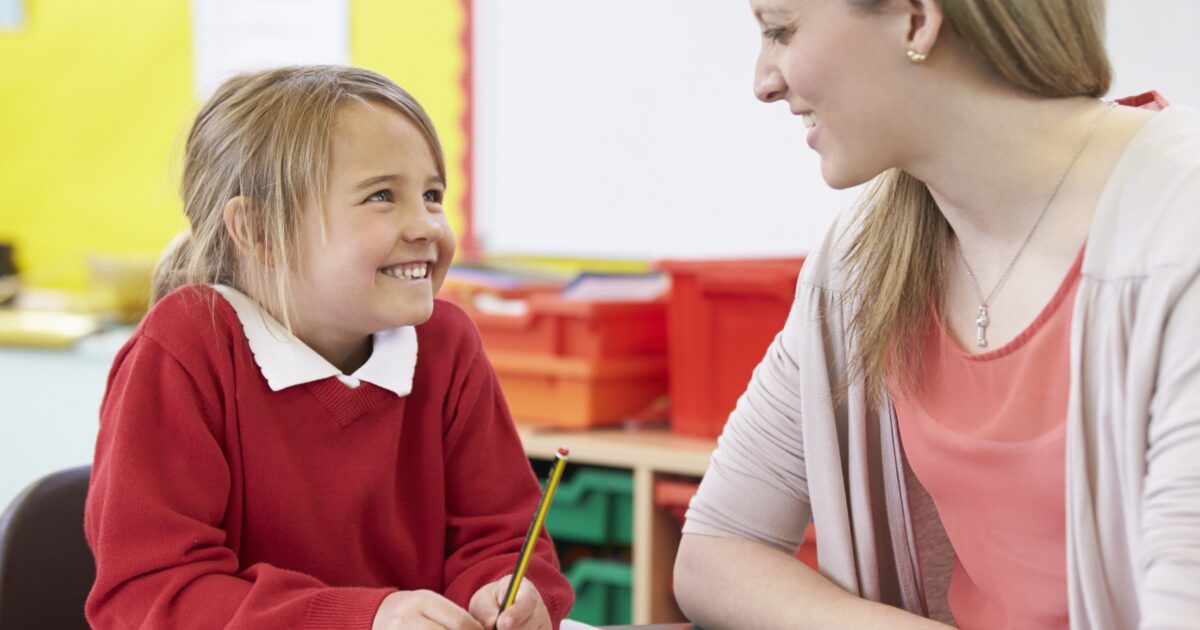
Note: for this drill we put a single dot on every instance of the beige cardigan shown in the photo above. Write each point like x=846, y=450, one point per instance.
x=1133, y=425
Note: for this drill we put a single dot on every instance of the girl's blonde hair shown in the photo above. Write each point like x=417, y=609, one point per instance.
x=265, y=137
x=1052, y=48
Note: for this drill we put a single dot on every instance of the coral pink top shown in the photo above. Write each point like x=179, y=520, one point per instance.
x=985, y=434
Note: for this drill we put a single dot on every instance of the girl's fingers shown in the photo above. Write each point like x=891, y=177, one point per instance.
x=520, y=613
x=442, y=611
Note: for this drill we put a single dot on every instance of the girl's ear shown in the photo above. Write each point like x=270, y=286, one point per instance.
x=248, y=241
x=924, y=22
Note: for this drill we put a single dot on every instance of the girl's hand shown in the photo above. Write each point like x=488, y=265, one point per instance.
x=528, y=611
x=421, y=609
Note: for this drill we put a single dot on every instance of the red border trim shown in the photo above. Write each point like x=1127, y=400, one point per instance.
x=469, y=244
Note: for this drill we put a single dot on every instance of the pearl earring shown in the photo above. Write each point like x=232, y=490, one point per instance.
x=915, y=56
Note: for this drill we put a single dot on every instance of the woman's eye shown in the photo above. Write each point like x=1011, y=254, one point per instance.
x=434, y=196
x=381, y=195
x=777, y=35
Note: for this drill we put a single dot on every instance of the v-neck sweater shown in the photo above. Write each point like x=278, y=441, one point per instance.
x=216, y=502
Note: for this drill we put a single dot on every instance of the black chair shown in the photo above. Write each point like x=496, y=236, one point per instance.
x=46, y=568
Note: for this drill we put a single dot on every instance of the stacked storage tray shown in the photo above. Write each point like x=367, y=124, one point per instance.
x=603, y=592
x=722, y=316
x=576, y=363
x=594, y=507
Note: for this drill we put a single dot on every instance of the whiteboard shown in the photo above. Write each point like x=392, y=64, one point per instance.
x=629, y=129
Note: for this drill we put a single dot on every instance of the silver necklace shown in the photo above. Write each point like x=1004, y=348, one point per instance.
x=981, y=318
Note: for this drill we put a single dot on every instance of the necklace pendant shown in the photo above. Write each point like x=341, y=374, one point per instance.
x=981, y=323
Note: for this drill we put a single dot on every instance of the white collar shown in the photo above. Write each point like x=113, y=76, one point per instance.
x=285, y=360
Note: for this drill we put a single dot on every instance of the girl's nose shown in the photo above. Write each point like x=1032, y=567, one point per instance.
x=768, y=83
x=425, y=227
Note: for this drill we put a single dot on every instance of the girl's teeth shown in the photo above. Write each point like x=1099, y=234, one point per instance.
x=408, y=272
x=809, y=120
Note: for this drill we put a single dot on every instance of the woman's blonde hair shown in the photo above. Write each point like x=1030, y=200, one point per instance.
x=1052, y=48
x=265, y=137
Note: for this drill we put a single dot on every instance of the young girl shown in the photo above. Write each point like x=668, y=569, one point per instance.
x=298, y=435
x=989, y=423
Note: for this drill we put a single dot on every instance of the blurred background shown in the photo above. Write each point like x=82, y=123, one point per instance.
x=580, y=137
x=95, y=103
x=97, y=99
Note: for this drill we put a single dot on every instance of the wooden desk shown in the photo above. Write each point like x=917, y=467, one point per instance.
x=649, y=455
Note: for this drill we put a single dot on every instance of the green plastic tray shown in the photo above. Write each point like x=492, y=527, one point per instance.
x=603, y=592
x=595, y=507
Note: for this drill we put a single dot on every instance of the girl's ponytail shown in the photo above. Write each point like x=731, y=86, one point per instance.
x=171, y=271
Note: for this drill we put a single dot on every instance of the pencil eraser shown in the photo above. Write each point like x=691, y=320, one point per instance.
x=563, y=452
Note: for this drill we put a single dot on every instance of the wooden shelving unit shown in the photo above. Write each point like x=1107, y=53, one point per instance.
x=649, y=455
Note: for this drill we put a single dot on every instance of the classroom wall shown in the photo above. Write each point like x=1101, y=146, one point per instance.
x=95, y=103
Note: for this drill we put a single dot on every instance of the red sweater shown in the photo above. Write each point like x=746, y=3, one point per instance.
x=216, y=502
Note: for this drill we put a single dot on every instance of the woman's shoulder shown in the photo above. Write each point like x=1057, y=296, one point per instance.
x=1149, y=214
x=1168, y=143
x=825, y=269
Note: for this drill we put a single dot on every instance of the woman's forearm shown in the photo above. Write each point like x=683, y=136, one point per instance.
x=727, y=583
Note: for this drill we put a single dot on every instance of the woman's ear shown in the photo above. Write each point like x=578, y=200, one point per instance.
x=248, y=241
x=924, y=25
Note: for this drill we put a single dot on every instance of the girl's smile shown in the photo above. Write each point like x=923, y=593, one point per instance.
x=408, y=271
x=375, y=255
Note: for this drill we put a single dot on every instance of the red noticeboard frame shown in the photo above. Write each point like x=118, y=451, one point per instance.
x=468, y=240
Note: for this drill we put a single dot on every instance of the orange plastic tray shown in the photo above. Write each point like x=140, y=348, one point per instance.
x=555, y=326
x=576, y=392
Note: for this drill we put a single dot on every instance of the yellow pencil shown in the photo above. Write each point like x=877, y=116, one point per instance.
x=535, y=528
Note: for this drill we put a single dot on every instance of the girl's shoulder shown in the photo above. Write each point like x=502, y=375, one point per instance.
x=191, y=319
x=450, y=322
x=449, y=344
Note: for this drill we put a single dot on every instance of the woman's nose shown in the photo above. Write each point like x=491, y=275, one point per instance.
x=768, y=83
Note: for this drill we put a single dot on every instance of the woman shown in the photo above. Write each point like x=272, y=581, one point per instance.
x=987, y=394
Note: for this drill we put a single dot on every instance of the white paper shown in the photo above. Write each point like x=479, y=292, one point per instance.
x=568, y=624
x=618, y=287
x=233, y=36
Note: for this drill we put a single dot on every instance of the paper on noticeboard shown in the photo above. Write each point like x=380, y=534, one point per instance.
x=12, y=15
x=233, y=36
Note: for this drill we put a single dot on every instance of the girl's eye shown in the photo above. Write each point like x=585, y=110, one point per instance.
x=433, y=196
x=380, y=195
x=779, y=35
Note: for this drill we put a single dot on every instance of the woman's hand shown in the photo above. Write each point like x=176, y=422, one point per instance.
x=528, y=611
x=422, y=609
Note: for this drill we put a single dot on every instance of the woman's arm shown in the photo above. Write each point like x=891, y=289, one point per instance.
x=737, y=583
x=735, y=568
x=1169, y=594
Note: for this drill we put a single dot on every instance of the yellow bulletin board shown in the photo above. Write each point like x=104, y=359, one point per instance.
x=96, y=100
